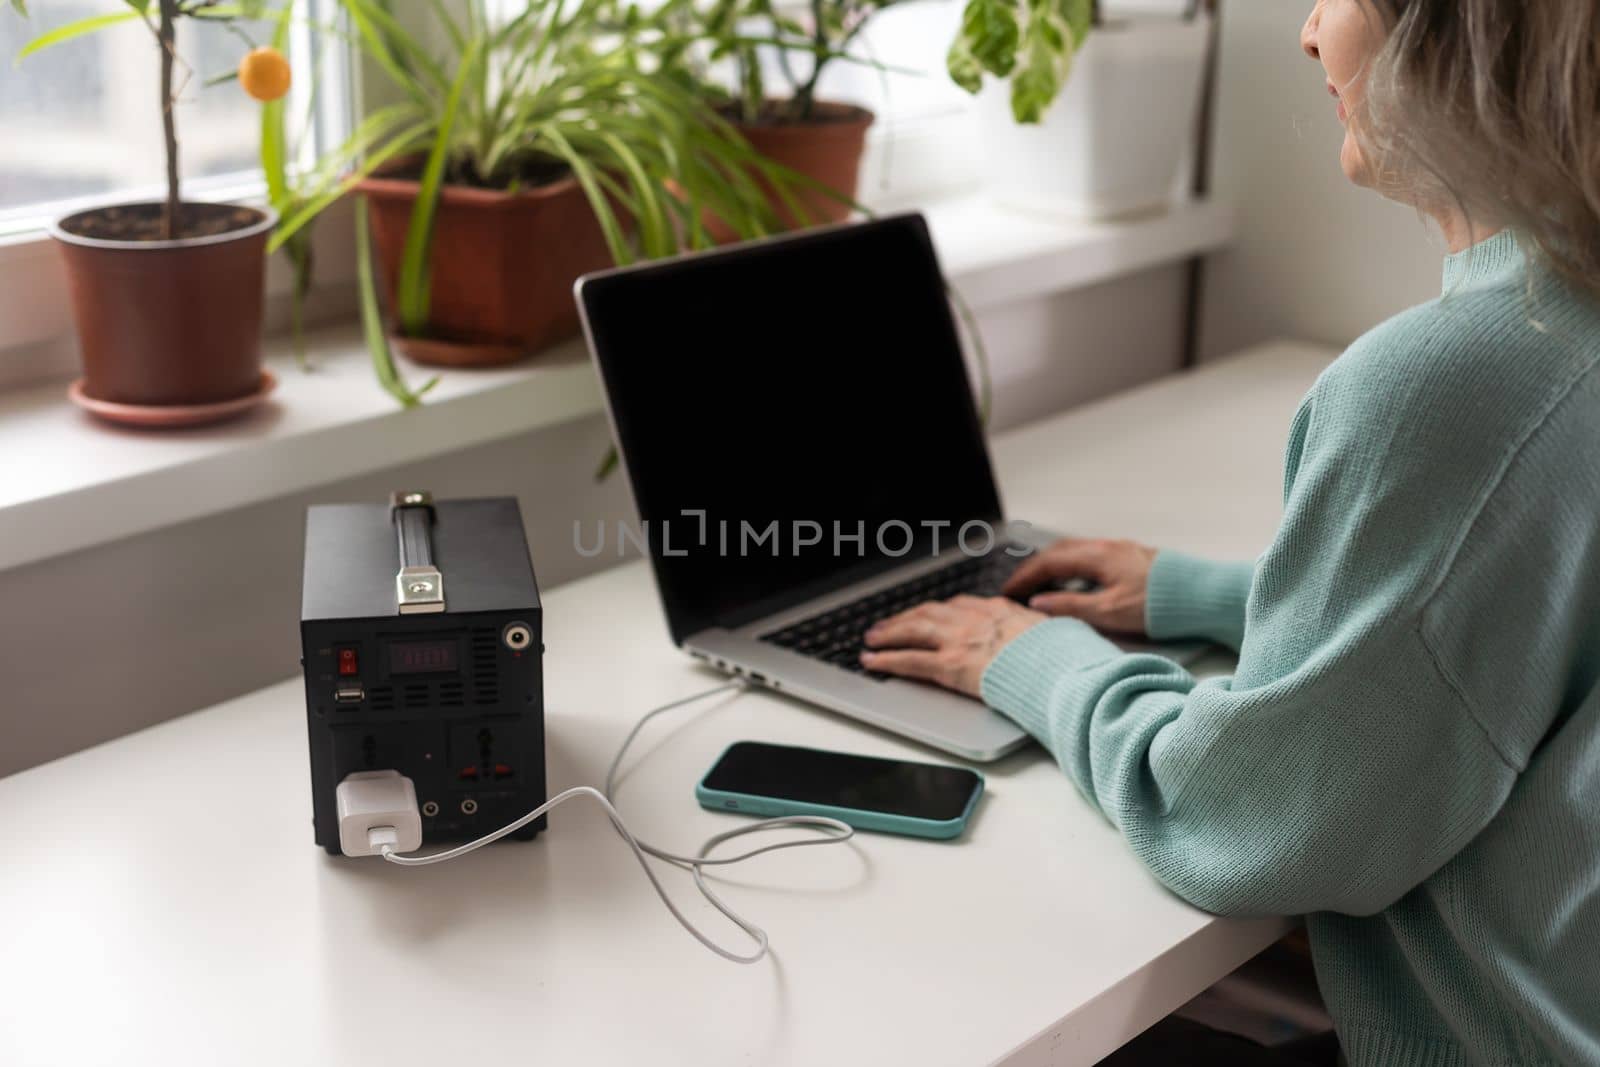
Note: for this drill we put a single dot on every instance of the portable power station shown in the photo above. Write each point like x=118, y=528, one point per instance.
x=421, y=639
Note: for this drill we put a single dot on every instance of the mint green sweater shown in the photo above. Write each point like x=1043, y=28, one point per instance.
x=1409, y=750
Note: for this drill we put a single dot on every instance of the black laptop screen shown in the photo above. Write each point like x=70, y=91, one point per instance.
x=810, y=389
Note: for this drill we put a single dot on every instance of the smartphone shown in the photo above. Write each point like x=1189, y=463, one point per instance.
x=890, y=796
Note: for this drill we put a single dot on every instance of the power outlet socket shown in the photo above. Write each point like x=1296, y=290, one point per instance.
x=484, y=754
x=407, y=748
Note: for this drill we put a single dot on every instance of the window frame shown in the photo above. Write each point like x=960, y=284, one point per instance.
x=37, y=333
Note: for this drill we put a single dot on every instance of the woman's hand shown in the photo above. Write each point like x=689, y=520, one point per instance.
x=947, y=642
x=1120, y=571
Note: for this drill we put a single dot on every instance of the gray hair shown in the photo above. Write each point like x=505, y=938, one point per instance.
x=1494, y=106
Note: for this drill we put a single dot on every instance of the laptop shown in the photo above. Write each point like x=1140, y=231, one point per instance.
x=795, y=419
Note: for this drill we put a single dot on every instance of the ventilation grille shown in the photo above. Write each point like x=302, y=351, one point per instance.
x=485, y=679
x=420, y=696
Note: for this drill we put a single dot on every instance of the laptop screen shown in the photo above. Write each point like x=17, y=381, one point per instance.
x=791, y=414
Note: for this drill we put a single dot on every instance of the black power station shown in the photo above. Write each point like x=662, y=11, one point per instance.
x=421, y=638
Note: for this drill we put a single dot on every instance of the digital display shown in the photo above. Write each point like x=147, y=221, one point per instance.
x=423, y=657
x=863, y=783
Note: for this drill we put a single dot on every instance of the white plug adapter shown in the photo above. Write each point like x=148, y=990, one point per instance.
x=378, y=808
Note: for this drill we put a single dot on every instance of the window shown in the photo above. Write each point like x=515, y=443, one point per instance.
x=82, y=119
x=911, y=41
x=82, y=127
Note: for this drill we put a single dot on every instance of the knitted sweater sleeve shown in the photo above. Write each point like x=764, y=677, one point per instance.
x=1192, y=597
x=1338, y=767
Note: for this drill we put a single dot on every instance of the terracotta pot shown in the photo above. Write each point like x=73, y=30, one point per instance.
x=827, y=149
x=503, y=264
x=437, y=353
x=164, y=323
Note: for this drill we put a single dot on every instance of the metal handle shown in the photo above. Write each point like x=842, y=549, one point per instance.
x=419, y=586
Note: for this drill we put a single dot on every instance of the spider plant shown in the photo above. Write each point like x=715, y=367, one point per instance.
x=803, y=39
x=553, y=91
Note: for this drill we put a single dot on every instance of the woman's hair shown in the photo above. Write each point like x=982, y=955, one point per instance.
x=1494, y=106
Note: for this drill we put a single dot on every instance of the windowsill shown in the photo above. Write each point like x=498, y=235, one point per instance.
x=73, y=482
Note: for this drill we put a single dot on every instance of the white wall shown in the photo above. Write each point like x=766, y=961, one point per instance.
x=227, y=618
x=1053, y=353
x=1316, y=258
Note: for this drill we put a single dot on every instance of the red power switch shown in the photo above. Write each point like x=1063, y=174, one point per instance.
x=347, y=661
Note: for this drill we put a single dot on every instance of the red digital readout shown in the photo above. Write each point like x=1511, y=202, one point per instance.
x=423, y=657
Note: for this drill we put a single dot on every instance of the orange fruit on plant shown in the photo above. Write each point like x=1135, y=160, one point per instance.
x=264, y=74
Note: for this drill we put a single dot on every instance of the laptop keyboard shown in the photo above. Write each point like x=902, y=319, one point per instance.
x=834, y=636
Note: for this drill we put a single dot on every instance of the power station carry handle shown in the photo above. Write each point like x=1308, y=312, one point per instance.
x=419, y=586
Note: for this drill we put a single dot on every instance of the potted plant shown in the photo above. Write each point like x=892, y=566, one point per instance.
x=167, y=295
x=1080, y=115
x=724, y=47
x=532, y=151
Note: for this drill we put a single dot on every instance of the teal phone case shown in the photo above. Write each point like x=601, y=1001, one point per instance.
x=881, y=822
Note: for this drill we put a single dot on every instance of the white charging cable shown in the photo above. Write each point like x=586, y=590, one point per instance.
x=833, y=832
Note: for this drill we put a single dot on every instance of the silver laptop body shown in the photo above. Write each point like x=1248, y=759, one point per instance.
x=672, y=340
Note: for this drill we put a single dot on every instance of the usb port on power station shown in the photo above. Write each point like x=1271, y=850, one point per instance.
x=348, y=693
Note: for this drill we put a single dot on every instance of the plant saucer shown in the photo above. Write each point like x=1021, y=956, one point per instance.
x=168, y=416
x=443, y=352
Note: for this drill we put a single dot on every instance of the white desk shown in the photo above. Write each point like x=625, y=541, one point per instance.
x=161, y=900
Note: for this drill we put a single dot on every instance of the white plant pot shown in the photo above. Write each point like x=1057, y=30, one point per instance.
x=1113, y=142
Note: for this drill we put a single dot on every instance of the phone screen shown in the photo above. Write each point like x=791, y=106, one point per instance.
x=864, y=783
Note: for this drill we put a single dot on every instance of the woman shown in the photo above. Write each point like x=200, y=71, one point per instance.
x=1409, y=752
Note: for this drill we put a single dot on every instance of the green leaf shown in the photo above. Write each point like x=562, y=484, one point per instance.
x=372, y=318
x=755, y=93
x=74, y=29
x=20, y=7
x=988, y=37
x=302, y=263
x=963, y=66
x=412, y=290
x=1080, y=16
x=655, y=227
x=442, y=12
x=1047, y=50
x=333, y=185
x=615, y=240
x=407, y=50
x=141, y=6
x=274, y=151
x=378, y=39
